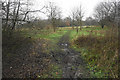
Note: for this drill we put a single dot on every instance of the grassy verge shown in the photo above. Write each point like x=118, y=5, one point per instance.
x=51, y=39
x=44, y=34
x=13, y=42
x=23, y=42
x=96, y=31
x=99, y=48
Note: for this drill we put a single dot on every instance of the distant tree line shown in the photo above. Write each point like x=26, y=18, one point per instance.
x=17, y=13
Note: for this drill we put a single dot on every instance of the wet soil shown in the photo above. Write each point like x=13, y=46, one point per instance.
x=72, y=64
x=32, y=61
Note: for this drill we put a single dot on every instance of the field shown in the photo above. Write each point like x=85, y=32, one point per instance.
x=98, y=48
x=44, y=39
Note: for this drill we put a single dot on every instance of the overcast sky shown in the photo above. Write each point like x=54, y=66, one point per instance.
x=67, y=5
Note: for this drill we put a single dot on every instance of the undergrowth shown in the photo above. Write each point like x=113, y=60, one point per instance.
x=19, y=44
x=101, y=52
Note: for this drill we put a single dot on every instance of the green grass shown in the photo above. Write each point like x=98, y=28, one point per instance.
x=51, y=38
x=45, y=34
x=87, y=31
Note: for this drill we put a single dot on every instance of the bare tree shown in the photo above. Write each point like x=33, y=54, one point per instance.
x=7, y=12
x=79, y=16
x=106, y=13
x=73, y=15
x=53, y=13
x=16, y=15
x=90, y=21
x=100, y=13
x=114, y=13
x=59, y=19
x=118, y=15
x=16, y=12
x=67, y=21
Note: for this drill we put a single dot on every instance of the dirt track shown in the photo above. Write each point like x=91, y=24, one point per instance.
x=73, y=66
x=26, y=65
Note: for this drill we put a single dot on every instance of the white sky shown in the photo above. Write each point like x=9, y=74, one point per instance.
x=67, y=5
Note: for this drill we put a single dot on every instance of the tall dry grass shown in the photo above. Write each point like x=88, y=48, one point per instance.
x=102, y=50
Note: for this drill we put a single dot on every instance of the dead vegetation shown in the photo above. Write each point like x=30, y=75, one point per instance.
x=102, y=51
x=23, y=57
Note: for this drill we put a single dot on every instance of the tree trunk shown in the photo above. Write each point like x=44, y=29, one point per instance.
x=102, y=26
x=14, y=22
x=80, y=27
x=54, y=29
x=80, y=24
x=6, y=26
x=73, y=27
x=77, y=29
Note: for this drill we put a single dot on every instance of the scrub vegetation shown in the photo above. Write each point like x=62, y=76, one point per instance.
x=59, y=47
x=100, y=49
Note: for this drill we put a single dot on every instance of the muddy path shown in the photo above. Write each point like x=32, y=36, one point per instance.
x=72, y=64
x=30, y=61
